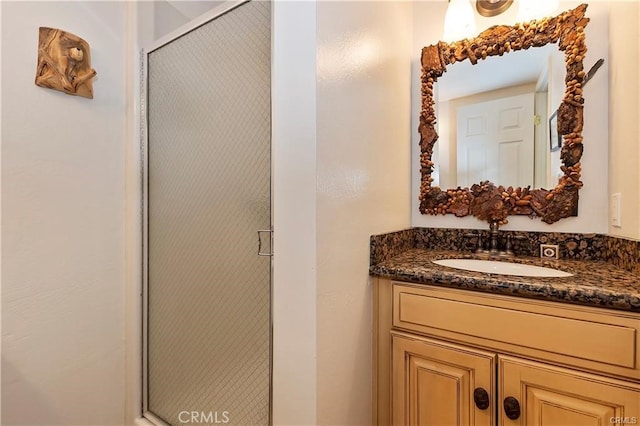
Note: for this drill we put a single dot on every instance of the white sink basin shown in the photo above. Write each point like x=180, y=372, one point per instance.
x=502, y=268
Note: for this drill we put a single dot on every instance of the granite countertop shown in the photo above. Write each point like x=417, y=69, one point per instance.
x=594, y=283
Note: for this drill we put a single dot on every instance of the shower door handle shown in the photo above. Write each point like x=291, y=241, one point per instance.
x=260, y=252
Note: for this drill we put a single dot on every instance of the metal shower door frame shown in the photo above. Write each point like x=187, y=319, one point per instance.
x=215, y=13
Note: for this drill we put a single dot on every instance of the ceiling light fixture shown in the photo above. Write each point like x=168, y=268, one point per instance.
x=489, y=8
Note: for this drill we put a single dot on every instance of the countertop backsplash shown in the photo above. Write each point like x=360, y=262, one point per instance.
x=621, y=252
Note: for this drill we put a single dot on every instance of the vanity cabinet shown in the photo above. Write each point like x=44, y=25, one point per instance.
x=453, y=357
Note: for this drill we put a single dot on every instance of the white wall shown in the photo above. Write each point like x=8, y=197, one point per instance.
x=140, y=33
x=63, y=223
x=171, y=15
x=294, y=124
x=624, y=134
x=593, y=197
x=363, y=181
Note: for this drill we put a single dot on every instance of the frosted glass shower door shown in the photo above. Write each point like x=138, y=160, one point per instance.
x=208, y=174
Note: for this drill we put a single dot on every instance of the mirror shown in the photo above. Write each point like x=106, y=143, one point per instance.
x=490, y=198
x=493, y=120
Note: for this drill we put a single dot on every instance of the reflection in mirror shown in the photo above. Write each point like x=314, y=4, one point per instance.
x=493, y=119
x=492, y=191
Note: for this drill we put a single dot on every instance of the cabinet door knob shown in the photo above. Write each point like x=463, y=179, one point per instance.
x=481, y=398
x=511, y=407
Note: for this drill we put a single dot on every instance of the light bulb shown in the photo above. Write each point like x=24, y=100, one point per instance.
x=459, y=21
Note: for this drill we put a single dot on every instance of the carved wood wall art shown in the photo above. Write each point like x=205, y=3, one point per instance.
x=485, y=200
x=64, y=63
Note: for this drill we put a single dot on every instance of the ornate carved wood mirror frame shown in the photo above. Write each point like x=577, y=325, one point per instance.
x=485, y=200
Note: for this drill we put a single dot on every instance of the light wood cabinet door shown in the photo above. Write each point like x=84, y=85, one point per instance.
x=434, y=383
x=555, y=396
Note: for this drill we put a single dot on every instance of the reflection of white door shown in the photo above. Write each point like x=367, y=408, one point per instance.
x=495, y=141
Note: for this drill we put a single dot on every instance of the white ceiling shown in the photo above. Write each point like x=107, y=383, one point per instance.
x=512, y=69
x=193, y=9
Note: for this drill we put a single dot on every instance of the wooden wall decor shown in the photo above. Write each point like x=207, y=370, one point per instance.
x=64, y=63
x=485, y=200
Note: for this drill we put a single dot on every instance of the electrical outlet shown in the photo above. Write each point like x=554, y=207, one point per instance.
x=549, y=251
x=614, y=209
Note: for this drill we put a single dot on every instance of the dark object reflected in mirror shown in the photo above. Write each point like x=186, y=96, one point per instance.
x=555, y=140
x=486, y=200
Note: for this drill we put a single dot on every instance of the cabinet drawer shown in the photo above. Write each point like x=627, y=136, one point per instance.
x=596, y=339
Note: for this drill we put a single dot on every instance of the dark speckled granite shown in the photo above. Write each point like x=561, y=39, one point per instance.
x=623, y=253
x=572, y=246
x=386, y=246
x=606, y=271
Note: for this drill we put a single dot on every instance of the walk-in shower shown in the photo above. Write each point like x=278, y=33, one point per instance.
x=207, y=193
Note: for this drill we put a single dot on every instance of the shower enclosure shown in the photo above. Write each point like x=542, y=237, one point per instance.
x=207, y=185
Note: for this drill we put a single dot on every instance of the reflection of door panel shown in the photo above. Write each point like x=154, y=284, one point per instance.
x=473, y=130
x=496, y=141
